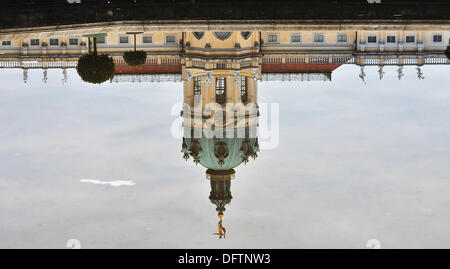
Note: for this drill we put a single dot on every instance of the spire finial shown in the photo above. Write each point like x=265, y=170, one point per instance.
x=222, y=230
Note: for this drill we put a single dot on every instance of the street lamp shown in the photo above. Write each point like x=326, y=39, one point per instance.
x=94, y=36
x=134, y=34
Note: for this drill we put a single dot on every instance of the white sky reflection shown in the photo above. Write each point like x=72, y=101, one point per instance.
x=354, y=162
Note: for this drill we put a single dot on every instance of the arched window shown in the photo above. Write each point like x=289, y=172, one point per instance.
x=222, y=35
x=198, y=35
x=221, y=93
x=246, y=35
x=244, y=94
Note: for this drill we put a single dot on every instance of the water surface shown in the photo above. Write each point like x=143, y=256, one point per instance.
x=354, y=162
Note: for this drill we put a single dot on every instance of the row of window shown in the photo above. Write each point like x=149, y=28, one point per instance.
x=221, y=35
x=437, y=38
x=146, y=39
x=343, y=38
x=297, y=38
x=75, y=41
x=271, y=38
x=221, y=89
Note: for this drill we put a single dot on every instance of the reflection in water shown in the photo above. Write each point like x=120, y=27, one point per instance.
x=114, y=183
x=305, y=52
x=220, y=154
x=220, y=70
x=222, y=230
x=94, y=68
x=219, y=116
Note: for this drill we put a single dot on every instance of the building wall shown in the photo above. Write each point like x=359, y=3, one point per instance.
x=225, y=54
x=207, y=99
x=283, y=44
x=224, y=47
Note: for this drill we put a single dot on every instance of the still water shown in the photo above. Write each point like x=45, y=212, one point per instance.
x=353, y=162
x=339, y=136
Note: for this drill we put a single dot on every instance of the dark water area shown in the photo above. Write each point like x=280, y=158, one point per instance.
x=40, y=13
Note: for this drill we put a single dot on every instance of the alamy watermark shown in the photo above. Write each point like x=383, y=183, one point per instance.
x=260, y=121
x=373, y=244
x=73, y=244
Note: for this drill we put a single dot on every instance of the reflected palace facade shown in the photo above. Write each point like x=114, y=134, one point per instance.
x=300, y=52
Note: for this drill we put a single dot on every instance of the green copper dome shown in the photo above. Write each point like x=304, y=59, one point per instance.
x=220, y=153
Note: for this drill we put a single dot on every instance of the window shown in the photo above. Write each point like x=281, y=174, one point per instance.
x=221, y=65
x=220, y=90
x=100, y=40
x=54, y=42
x=296, y=38
x=410, y=39
x=123, y=40
x=147, y=39
x=272, y=38
x=73, y=41
x=437, y=38
x=197, y=86
x=6, y=43
x=342, y=38
x=170, y=39
x=244, y=95
x=390, y=39
x=35, y=42
x=319, y=38
x=198, y=35
x=222, y=35
x=372, y=39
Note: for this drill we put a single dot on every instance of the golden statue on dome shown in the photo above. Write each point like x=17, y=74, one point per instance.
x=222, y=230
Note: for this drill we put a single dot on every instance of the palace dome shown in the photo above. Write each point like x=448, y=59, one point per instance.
x=220, y=153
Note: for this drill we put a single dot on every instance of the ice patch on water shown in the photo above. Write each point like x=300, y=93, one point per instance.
x=115, y=183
